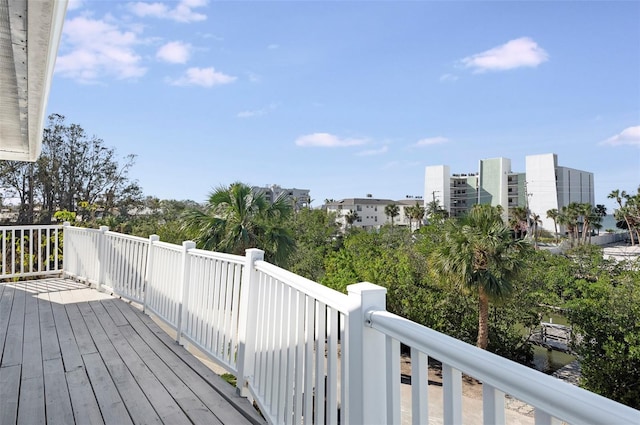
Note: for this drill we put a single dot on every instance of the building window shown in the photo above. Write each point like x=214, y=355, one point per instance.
x=359, y=219
x=358, y=207
x=375, y=219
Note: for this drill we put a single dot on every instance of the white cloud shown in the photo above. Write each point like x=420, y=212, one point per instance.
x=182, y=12
x=372, y=152
x=205, y=77
x=448, y=78
x=174, y=52
x=521, y=52
x=429, y=141
x=93, y=48
x=628, y=136
x=327, y=140
x=257, y=112
x=273, y=46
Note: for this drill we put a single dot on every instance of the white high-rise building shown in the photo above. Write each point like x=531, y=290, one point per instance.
x=550, y=186
x=542, y=187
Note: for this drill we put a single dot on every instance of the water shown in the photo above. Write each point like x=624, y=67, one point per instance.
x=548, y=361
x=608, y=222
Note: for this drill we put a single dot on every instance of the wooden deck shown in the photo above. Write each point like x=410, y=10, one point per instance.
x=71, y=354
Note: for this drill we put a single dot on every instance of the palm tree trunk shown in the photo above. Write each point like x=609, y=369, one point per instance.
x=483, y=319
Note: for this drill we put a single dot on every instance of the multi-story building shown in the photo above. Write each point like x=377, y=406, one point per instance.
x=551, y=186
x=300, y=197
x=543, y=186
x=370, y=212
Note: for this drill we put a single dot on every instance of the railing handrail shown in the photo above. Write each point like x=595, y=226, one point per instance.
x=118, y=235
x=328, y=296
x=557, y=398
x=31, y=226
x=230, y=258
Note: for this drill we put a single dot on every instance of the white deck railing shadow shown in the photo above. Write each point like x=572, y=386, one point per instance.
x=303, y=352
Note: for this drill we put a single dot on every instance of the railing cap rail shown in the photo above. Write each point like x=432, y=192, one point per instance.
x=559, y=399
x=328, y=296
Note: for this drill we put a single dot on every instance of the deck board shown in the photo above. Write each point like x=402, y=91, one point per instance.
x=73, y=355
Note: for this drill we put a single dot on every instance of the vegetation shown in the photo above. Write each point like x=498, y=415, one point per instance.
x=479, y=254
x=75, y=173
x=236, y=218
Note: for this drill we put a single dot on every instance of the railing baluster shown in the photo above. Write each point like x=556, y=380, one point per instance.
x=419, y=387
x=492, y=405
x=332, y=366
x=320, y=394
x=299, y=364
x=542, y=418
x=309, y=329
x=452, y=394
x=393, y=380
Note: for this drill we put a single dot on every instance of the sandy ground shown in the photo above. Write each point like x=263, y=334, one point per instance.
x=621, y=251
x=516, y=412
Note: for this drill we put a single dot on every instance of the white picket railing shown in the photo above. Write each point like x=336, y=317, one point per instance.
x=30, y=251
x=304, y=353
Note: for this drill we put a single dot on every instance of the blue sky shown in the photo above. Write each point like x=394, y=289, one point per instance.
x=351, y=98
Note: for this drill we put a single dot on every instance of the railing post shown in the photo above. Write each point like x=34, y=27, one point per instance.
x=366, y=357
x=247, y=317
x=65, y=259
x=147, y=274
x=184, y=285
x=101, y=257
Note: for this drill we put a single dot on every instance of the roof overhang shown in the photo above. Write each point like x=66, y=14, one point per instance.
x=30, y=33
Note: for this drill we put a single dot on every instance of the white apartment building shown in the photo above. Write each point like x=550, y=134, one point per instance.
x=370, y=211
x=301, y=197
x=543, y=186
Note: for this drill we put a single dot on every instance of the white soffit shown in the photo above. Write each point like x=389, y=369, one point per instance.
x=29, y=36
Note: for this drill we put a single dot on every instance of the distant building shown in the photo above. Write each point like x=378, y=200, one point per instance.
x=299, y=197
x=370, y=211
x=543, y=186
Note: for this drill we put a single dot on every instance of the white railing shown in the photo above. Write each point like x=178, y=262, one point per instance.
x=305, y=353
x=30, y=251
x=553, y=400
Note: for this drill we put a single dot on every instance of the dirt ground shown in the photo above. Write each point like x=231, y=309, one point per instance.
x=471, y=387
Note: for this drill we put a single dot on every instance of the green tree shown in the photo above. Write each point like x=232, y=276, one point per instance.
x=535, y=221
x=478, y=253
x=416, y=212
x=392, y=211
x=623, y=213
x=72, y=169
x=607, y=317
x=236, y=218
x=568, y=217
x=553, y=214
x=518, y=221
x=316, y=235
x=350, y=218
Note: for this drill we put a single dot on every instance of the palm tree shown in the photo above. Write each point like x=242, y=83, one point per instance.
x=518, y=221
x=351, y=217
x=587, y=213
x=478, y=253
x=569, y=217
x=553, y=214
x=618, y=196
x=600, y=213
x=236, y=218
x=535, y=221
x=416, y=213
x=392, y=211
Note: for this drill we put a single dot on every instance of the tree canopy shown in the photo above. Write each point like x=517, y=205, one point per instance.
x=74, y=172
